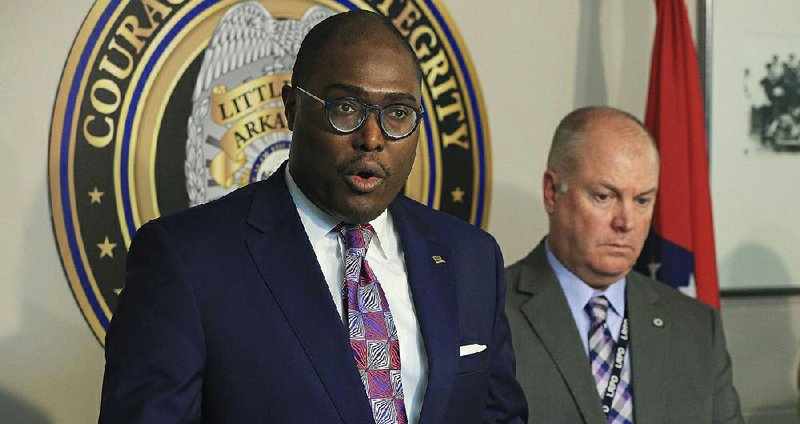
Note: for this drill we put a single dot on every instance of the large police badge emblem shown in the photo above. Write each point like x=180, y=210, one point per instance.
x=167, y=104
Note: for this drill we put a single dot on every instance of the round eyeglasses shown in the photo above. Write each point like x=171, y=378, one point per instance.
x=348, y=114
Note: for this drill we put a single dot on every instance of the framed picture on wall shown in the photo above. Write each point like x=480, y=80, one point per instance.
x=752, y=58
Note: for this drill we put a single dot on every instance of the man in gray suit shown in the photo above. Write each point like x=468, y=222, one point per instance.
x=595, y=341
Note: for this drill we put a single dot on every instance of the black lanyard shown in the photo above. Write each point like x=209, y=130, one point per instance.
x=619, y=361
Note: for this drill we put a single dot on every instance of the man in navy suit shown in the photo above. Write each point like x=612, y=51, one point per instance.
x=234, y=311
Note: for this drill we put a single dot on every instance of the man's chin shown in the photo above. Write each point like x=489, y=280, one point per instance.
x=614, y=272
x=359, y=212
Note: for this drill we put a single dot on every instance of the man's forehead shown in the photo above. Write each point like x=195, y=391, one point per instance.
x=617, y=139
x=354, y=58
x=382, y=40
x=603, y=154
x=371, y=32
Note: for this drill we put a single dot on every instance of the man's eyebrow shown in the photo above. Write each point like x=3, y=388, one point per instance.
x=652, y=191
x=616, y=190
x=357, y=91
x=400, y=96
x=608, y=186
x=350, y=89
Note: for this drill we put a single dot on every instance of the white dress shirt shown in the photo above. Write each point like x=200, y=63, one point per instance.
x=385, y=257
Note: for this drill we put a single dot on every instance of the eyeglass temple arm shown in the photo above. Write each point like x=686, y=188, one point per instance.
x=309, y=94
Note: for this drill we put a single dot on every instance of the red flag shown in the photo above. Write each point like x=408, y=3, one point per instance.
x=682, y=241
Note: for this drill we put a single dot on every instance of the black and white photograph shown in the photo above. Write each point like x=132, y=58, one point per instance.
x=752, y=75
x=772, y=89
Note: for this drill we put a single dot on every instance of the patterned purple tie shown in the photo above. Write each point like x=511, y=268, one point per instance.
x=373, y=337
x=601, y=348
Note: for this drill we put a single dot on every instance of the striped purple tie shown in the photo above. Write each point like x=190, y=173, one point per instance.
x=601, y=348
x=373, y=337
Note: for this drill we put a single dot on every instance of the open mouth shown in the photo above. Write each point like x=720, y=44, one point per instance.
x=364, y=176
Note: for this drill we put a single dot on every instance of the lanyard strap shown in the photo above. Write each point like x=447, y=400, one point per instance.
x=619, y=361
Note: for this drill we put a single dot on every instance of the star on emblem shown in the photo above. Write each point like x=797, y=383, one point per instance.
x=458, y=195
x=96, y=195
x=106, y=248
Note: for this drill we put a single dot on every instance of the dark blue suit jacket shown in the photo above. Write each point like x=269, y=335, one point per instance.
x=226, y=317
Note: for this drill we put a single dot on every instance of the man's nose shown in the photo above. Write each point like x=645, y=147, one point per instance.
x=623, y=216
x=370, y=136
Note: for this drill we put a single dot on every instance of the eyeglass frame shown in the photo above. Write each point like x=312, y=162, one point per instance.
x=368, y=107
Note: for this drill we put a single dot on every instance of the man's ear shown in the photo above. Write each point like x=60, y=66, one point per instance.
x=289, y=104
x=550, y=190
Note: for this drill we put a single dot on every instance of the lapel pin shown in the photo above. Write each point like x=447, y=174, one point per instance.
x=438, y=259
x=658, y=322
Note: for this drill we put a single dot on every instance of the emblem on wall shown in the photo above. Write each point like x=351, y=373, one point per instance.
x=167, y=104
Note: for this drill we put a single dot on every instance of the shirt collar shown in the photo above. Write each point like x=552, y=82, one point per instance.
x=578, y=292
x=318, y=223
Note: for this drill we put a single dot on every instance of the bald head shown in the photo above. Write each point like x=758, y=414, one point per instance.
x=577, y=127
x=343, y=30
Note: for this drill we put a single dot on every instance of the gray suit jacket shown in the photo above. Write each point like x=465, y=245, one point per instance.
x=681, y=370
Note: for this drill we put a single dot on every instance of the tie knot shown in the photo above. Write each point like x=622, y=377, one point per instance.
x=356, y=236
x=597, y=307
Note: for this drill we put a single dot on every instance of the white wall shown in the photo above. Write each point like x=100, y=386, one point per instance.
x=50, y=363
x=536, y=59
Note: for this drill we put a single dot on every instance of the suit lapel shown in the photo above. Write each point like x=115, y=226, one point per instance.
x=434, y=296
x=650, y=341
x=287, y=263
x=548, y=314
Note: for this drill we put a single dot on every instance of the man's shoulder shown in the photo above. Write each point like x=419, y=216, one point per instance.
x=676, y=300
x=439, y=223
x=222, y=214
x=536, y=260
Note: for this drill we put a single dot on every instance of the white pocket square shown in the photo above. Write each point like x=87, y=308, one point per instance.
x=470, y=349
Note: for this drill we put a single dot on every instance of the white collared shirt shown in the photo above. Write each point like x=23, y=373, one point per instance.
x=385, y=257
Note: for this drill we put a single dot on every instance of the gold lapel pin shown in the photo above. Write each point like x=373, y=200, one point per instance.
x=438, y=259
x=658, y=322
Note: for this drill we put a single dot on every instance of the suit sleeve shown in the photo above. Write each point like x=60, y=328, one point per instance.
x=154, y=347
x=506, y=401
x=726, y=407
